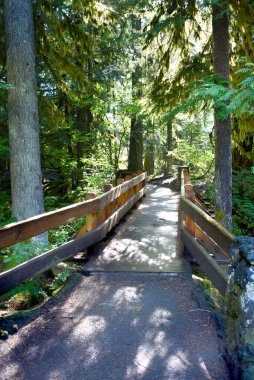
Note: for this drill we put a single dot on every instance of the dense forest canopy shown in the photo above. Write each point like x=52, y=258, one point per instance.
x=129, y=86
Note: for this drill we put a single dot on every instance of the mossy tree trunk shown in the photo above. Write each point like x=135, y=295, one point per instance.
x=223, y=150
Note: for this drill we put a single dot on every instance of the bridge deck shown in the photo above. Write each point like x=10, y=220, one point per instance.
x=147, y=242
x=123, y=326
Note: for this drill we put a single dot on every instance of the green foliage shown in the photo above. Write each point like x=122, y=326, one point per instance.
x=60, y=279
x=21, y=252
x=102, y=173
x=214, y=92
x=63, y=233
x=5, y=208
x=216, y=300
x=210, y=192
x=4, y=149
x=209, y=92
x=193, y=144
x=242, y=98
x=4, y=86
x=30, y=292
x=243, y=203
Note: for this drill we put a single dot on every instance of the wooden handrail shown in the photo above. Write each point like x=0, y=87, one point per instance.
x=202, y=235
x=109, y=208
x=216, y=231
x=16, y=232
x=213, y=270
x=15, y=276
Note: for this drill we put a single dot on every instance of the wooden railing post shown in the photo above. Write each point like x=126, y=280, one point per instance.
x=181, y=170
x=91, y=218
x=189, y=223
x=90, y=223
x=121, y=199
x=119, y=181
x=109, y=209
x=128, y=177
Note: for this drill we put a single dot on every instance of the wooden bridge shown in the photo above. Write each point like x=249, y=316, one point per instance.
x=133, y=317
x=204, y=238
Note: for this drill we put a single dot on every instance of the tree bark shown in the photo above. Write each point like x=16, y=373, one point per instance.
x=135, y=158
x=149, y=155
x=223, y=150
x=169, y=158
x=84, y=126
x=26, y=176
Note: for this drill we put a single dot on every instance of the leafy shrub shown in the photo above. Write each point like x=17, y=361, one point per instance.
x=21, y=252
x=243, y=202
x=63, y=233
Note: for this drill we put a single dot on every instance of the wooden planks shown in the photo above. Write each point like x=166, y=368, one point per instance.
x=25, y=229
x=213, y=229
x=207, y=263
x=15, y=276
x=209, y=244
x=15, y=232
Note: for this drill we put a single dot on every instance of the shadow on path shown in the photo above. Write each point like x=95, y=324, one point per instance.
x=120, y=327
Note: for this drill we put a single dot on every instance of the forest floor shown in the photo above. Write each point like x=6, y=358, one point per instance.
x=123, y=325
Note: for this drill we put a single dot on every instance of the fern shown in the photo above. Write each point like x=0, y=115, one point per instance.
x=30, y=288
x=212, y=91
x=243, y=203
x=60, y=279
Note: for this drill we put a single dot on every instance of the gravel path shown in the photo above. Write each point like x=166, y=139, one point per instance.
x=121, y=327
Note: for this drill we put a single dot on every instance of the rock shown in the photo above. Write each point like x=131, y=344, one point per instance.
x=240, y=309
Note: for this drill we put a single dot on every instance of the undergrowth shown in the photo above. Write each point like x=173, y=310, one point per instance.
x=243, y=201
x=32, y=292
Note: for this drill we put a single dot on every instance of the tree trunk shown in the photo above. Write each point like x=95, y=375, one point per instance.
x=149, y=156
x=169, y=159
x=135, y=163
x=26, y=176
x=84, y=125
x=223, y=150
x=135, y=157
x=85, y=145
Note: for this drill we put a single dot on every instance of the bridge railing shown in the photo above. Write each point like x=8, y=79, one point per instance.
x=102, y=214
x=207, y=240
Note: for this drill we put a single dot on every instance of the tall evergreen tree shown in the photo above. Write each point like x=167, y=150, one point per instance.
x=222, y=128
x=135, y=158
x=26, y=177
